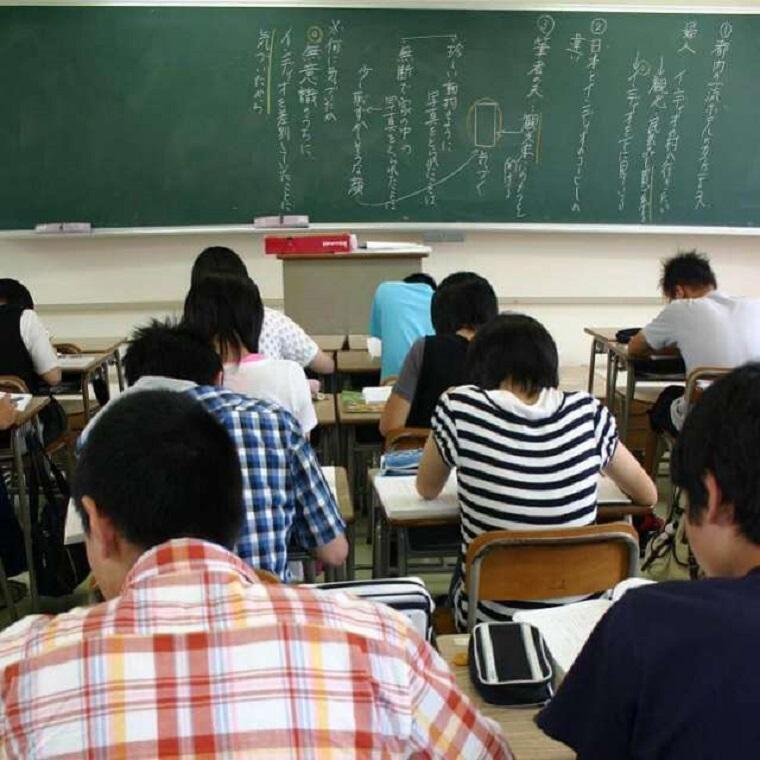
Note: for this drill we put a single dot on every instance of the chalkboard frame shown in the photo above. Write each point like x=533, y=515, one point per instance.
x=412, y=227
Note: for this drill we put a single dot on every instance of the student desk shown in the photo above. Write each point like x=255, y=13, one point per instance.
x=526, y=740
x=110, y=346
x=327, y=422
x=603, y=341
x=24, y=421
x=84, y=365
x=350, y=363
x=329, y=343
x=400, y=506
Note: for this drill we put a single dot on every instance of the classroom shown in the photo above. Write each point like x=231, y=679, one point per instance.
x=385, y=379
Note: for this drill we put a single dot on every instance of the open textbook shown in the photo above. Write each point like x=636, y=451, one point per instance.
x=565, y=629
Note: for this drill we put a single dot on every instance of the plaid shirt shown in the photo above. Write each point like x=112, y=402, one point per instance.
x=197, y=658
x=284, y=490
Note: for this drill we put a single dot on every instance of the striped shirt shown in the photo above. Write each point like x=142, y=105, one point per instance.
x=522, y=466
x=197, y=658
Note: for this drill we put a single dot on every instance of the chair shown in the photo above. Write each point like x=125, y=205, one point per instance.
x=693, y=390
x=405, y=438
x=544, y=564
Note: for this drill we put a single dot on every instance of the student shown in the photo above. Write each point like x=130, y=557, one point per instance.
x=400, y=314
x=25, y=349
x=462, y=303
x=709, y=328
x=192, y=655
x=281, y=337
x=285, y=494
x=228, y=313
x=527, y=455
x=671, y=670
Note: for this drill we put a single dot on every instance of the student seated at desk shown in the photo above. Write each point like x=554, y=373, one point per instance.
x=25, y=348
x=285, y=495
x=671, y=670
x=709, y=328
x=462, y=303
x=228, y=313
x=192, y=655
x=281, y=337
x=400, y=314
x=527, y=455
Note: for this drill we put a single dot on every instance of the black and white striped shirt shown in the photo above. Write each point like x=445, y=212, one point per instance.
x=522, y=466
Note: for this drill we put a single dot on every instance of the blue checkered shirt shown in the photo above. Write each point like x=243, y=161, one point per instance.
x=284, y=491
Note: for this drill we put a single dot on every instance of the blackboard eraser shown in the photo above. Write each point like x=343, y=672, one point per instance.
x=64, y=227
x=281, y=220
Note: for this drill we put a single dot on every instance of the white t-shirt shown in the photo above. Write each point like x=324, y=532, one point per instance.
x=37, y=341
x=713, y=331
x=282, y=338
x=278, y=380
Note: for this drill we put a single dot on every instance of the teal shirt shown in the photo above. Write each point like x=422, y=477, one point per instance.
x=400, y=315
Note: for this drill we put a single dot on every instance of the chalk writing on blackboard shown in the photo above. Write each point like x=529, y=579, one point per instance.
x=308, y=94
x=639, y=68
x=712, y=106
x=360, y=101
x=262, y=80
x=334, y=49
x=283, y=122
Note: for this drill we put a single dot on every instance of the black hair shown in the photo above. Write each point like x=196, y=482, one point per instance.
x=159, y=466
x=420, y=278
x=469, y=302
x=691, y=269
x=217, y=260
x=167, y=349
x=513, y=347
x=14, y=293
x=721, y=435
x=227, y=311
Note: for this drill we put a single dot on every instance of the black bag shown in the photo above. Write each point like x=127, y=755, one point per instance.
x=54, y=421
x=59, y=568
x=509, y=664
x=11, y=536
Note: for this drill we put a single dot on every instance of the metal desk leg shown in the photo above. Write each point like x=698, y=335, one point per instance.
x=86, y=396
x=6, y=589
x=119, y=369
x=630, y=391
x=401, y=548
x=351, y=559
x=612, y=382
x=26, y=521
x=592, y=364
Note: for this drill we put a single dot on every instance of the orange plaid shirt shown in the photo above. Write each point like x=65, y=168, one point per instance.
x=198, y=658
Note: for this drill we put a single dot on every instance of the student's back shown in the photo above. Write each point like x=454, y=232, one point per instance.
x=400, y=314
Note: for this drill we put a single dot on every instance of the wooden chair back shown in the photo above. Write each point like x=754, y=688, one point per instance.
x=12, y=384
x=67, y=348
x=390, y=380
x=696, y=379
x=529, y=565
x=405, y=438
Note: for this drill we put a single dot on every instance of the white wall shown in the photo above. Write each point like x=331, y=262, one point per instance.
x=568, y=280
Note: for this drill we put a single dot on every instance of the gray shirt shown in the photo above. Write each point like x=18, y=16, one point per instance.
x=713, y=331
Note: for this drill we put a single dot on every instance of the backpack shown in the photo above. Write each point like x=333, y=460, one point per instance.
x=667, y=555
x=59, y=569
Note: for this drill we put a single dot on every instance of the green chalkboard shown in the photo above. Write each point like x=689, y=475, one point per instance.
x=147, y=116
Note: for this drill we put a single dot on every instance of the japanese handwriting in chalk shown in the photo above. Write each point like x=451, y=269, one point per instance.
x=431, y=163
x=334, y=49
x=390, y=119
x=287, y=65
x=450, y=101
x=639, y=68
x=658, y=93
x=712, y=104
x=361, y=108
x=262, y=80
x=308, y=92
x=598, y=28
x=678, y=104
x=482, y=170
x=688, y=35
x=404, y=73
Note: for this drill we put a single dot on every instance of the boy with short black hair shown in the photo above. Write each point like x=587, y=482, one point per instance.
x=708, y=328
x=462, y=303
x=671, y=669
x=192, y=655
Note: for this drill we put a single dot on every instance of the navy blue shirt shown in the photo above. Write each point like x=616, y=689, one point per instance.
x=671, y=671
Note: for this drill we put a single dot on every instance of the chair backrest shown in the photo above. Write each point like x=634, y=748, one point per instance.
x=67, y=348
x=390, y=380
x=405, y=438
x=12, y=384
x=696, y=380
x=544, y=564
